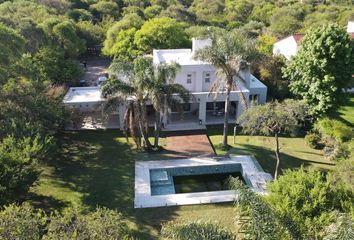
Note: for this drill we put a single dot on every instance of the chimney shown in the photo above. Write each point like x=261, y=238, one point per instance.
x=245, y=73
x=200, y=43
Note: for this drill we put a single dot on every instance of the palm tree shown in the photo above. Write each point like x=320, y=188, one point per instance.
x=129, y=85
x=229, y=54
x=163, y=93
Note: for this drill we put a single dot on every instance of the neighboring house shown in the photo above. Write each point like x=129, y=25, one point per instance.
x=197, y=77
x=287, y=47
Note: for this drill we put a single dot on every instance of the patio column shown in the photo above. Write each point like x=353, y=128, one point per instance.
x=202, y=110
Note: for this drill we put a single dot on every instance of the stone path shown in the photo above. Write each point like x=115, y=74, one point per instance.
x=183, y=144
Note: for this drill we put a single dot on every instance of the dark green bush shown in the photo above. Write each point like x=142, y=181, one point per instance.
x=313, y=139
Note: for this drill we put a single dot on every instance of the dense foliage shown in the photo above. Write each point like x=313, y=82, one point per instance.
x=322, y=68
x=310, y=199
x=23, y=222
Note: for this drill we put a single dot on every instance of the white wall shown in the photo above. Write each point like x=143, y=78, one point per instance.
x=286, y=47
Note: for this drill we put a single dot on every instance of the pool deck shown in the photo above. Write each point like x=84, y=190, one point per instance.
x=252, y=172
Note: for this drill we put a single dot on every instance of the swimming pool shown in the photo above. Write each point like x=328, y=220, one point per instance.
x=193, y=179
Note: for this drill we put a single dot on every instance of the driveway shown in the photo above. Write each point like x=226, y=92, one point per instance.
x=183, y=144
x=95, y=68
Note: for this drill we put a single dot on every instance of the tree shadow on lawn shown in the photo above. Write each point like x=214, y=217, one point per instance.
x=267, y=159
x=102, y=169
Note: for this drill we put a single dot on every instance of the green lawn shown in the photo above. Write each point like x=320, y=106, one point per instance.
x=96, y=168
x=346, y=113
x=294, y=152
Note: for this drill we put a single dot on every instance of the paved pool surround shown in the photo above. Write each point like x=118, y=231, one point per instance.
x=150, y=176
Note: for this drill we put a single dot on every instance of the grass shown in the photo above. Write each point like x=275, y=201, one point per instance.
x=346, y=113
x=96, y=168
x=294, y=152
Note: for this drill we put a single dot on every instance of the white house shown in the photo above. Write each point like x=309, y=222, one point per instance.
x=197, y=77
x=287, y=47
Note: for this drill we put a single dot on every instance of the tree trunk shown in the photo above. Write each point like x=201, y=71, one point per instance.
x=226, y=116
x=277, y=155
x=141, y=128
x=157, y=128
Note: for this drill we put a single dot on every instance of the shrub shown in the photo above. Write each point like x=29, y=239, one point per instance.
x=313, y=139
x=196, y=230
x=308, y=199
x=101, y=224
x=331, y=128
x=21, y=222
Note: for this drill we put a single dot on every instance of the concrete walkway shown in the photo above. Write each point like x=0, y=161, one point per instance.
x=184, y=144
x=95, y=68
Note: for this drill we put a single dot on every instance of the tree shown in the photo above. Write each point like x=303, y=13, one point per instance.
x=102, y=8
x=162, y=90
x=18, y=166
x=273, y=119
x=256, y=219
x=208, y=11
x=307, y=198
x=12, y=46
x=161, y=33
x=322, y=69
x=124, y=48
x=129, y=21
x=133, y=90
x=229, y=54
x=196, y=230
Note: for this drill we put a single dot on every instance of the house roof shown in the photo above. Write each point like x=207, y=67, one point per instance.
x=83, y=95
x=180, y=56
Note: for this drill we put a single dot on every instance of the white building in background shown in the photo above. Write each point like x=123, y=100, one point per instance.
x=350, y=27
x=196, y=76
x=287, y=47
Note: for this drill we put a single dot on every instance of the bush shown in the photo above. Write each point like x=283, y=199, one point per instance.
x=313, y=139
x=195, y=231
x=308, y=199
x=331, y=128
x=21, y=222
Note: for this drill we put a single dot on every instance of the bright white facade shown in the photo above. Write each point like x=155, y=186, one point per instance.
x=194, y=75
x=287, y=47
x=198, y=77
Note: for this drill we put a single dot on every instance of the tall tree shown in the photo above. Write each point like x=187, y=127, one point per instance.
x=322, y=69
x=273, y=119
x=229, y=53
x=12, y=47
x=161, y=33
x=129, y=84
x=162, y=93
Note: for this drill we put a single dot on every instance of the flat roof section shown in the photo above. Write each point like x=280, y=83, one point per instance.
x=180, y=56
x=83, y=95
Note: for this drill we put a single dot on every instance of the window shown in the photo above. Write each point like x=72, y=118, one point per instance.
x=189, y=78
x=207, y=77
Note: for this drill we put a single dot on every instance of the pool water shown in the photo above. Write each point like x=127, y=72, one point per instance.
x=204, y=182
